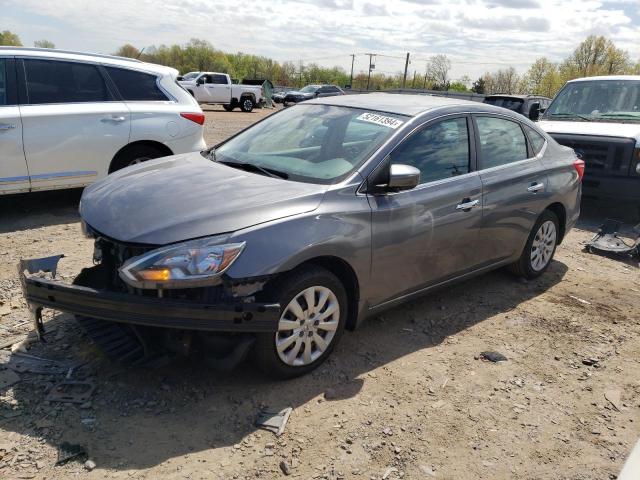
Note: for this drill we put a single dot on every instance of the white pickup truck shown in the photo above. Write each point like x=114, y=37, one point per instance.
x=217, y=88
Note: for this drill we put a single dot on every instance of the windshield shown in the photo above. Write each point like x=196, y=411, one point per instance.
x=514, y=104
x=309, y=89
x=190, y=75
x=311, y=143
x=610, y=100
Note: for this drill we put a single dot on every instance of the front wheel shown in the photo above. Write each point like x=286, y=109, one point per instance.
x=246, y=104
x=312, y=318
x=540, y=248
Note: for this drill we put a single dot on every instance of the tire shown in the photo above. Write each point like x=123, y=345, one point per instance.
x=135, y=154
x=540, y=247
x=246, y=104
x=299, y=337
x=229, y=107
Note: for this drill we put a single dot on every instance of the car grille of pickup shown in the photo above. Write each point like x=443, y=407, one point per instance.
x=603, y=156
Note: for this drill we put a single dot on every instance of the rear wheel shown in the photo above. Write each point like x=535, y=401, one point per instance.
x=135, y=154
x=540, y=248
x=312, y=318
x=246, y=104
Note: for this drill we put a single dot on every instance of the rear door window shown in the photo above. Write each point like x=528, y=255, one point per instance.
x=537, y=140
x=439, y=151
x=136, y=86
x=501, y=141
x=52, y=81
x=219, y=79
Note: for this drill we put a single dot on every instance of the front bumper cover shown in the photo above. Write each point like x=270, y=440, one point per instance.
x=133, y=309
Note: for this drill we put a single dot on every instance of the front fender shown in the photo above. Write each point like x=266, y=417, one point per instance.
x=279, y=246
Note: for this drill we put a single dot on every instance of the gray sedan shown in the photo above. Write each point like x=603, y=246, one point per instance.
x=280, y=238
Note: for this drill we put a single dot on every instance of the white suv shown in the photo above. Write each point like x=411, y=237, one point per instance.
x=68, y=119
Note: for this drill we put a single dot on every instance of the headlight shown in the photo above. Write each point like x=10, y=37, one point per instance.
x=196, y=263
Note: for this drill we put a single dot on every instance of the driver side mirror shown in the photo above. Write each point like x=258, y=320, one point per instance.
x=403, y=177
x=534, y=111
x=200, y=81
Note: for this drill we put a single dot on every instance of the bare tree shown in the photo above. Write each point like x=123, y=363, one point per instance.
x=43, y=44
x=438, y=71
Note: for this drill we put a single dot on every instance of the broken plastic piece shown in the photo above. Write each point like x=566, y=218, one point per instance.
x=493, y=357
x=71, y=392
x=68, y=451
x=607, y=240
x=274, y=421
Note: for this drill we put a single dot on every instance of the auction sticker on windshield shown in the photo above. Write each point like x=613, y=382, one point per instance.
x=380, y=120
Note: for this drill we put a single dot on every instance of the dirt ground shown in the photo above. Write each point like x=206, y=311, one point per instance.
x=405, y=396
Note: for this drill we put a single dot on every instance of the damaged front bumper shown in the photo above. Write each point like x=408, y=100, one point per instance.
x=40, y=291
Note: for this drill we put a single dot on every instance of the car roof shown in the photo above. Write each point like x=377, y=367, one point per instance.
x=401, y=104
x=509, y=95
x=606, y=77
x=110, y=60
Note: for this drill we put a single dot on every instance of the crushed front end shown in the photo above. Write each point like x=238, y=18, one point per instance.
x=214, y=315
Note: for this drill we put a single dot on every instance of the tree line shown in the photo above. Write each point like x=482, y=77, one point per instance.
x=596, y=55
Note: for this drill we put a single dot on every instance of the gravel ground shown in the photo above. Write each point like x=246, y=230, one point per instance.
x=405, y=396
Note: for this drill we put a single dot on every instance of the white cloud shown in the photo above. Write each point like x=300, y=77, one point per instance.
x=477, y=35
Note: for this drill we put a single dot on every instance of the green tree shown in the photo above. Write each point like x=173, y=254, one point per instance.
x=43, y=44
x=457, y=87
x=128, y=51
x=479, y=86
x=10, y=39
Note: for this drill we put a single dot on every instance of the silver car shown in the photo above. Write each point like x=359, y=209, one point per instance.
x=280, y=238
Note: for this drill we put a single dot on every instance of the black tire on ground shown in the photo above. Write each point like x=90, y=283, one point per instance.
x=246, y=104
x=135, y=154
x=229, y=107
x=264, y=352
x=524, y=266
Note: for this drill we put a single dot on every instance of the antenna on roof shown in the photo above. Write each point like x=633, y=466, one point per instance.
x=138, y=57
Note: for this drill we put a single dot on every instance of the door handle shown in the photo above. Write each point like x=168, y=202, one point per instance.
x=113, y=119
x=535, y=187
x=467, y=204
x=7, y=126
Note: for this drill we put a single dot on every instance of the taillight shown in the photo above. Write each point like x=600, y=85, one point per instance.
x=579, y=166
x=194, y=117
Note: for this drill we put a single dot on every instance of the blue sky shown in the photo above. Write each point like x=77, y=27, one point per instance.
x=477, y=35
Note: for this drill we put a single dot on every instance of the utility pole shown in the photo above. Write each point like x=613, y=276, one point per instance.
x=371, y=67
x=353, y=59
x=406, y=67
x=300, y=74
x=413, y=84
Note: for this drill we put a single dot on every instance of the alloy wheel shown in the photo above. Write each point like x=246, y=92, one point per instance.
x=543, y=245
x=307, y=326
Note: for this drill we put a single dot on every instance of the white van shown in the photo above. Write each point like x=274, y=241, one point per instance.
x=68, y=119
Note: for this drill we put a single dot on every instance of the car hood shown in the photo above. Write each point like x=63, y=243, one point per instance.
x=606, y=129
x=188, y=196
x=297, y=93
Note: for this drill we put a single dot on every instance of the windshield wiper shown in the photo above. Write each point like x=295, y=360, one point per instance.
x=571, y=115
x=630, y=115
x=270, y=172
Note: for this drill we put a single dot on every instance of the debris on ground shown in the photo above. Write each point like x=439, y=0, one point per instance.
x=607, y=240
x=71, y=391
x=285, y=467
x=494, y=357
x=581, y=300
x=273, y=421
x=90, y=465
x=613, y=397
x=25, y=363
x=69, y=451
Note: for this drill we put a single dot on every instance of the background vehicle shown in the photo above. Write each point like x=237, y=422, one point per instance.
x=68, y=119
x=531, y=106
x=278, y=97
x=599, y=117
x=217, y=88
x=309, y=92
x=397, y=196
